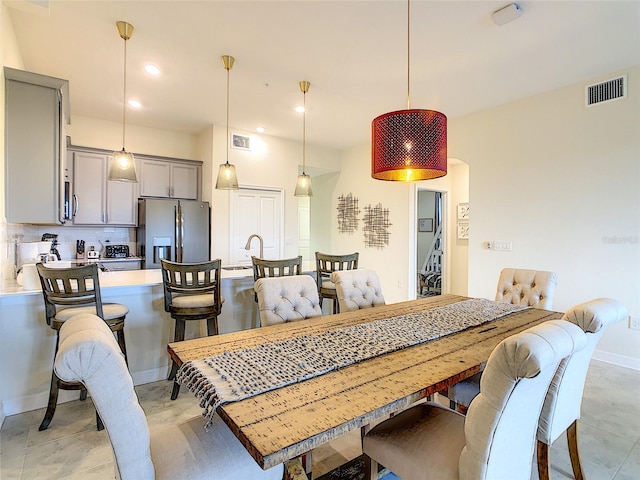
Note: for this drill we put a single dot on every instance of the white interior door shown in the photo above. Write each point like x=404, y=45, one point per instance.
x=259, y=211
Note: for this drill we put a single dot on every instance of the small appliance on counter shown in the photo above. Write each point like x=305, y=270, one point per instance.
x=116, y=251
x=53, y=238
x=93, y=253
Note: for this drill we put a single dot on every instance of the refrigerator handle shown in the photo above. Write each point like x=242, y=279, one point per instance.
x=181, y=235
x=178, y=236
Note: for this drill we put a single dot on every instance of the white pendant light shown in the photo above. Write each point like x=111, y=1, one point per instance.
x=303, y=185
x=227, y=179
x=122, y=166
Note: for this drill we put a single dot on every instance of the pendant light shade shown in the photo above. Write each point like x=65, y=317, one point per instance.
x=122, y=165
x=409, y=145
x=303, y=185
x=227, y=179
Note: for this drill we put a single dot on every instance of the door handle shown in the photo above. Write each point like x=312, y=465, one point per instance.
x=75, y=204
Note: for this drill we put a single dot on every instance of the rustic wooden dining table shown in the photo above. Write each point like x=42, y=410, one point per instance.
x=289, y=422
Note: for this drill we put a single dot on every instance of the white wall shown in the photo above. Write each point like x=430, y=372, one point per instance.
x=562, y=183
x=96, y=133
x=322, y=216
x=458, y=248
x=272, y=162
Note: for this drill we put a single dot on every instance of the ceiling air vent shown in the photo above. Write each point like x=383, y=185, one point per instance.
x=606, y=91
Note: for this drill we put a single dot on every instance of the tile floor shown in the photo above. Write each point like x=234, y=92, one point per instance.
x=72, y=448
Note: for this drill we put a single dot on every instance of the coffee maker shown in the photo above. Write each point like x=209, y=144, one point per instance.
x=53, y=238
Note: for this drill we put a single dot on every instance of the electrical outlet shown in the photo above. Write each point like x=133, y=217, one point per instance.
x=634, y=322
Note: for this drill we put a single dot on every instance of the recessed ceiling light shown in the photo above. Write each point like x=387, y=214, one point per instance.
x=260, y=129
x=151, y=69
x=135, y=103
x=300, y=109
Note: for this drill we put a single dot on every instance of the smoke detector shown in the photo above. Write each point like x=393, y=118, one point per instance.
x=506, y=14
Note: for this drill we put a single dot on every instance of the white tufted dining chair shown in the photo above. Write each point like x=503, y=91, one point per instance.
x=530, y=288
x=287, y=299
x=357, y=289
x=518, y=286
x=561, y=409
x=497, y=438
x=88, y=353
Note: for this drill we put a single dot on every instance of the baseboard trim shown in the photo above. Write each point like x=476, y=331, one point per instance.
x=615, y=359
x=40, y=400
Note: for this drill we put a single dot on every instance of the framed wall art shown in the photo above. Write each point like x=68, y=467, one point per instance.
x=425, y=225
x=463, y=230
x=463, y=211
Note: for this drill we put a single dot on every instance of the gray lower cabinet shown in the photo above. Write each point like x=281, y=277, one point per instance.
x=167, y=179
x=97, y=201
x=36, y=108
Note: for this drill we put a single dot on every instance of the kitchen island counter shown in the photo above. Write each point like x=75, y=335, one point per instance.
x=27, y=343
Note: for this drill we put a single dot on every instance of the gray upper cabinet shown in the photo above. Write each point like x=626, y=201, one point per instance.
x=169, y=179
x=97, y=201
x=36, y=109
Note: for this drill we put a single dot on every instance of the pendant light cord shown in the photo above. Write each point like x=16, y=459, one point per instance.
x=124, y=94
x=408, y=53
x=304, y=132
x=227, y=114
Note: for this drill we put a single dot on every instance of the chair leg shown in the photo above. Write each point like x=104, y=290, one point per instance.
x=574, y=452
x=99, y=424
x=370, y=468
x=123, y=346
x=177, y=337
x=543, y=461
x=53, y=400
x=212, y=326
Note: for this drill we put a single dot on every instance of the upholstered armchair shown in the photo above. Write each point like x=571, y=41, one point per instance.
x=286, y=299
x=357, y=289
x=88, y=353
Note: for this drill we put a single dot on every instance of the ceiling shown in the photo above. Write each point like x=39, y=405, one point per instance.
x=354, y=53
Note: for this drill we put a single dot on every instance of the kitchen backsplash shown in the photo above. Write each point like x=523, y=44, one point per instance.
x=95, y=237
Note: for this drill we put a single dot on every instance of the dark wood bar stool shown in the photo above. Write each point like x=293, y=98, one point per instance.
x=263, y=268
x=191, y=292
x=68, y=292
x=326, y=264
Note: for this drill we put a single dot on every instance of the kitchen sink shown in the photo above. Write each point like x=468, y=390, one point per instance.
x=237, y=267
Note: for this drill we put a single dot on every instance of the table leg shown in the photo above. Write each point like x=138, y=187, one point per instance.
x=294, y=470
x=306, y=464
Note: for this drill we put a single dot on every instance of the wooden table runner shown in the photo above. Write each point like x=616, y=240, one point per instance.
x=239, y=374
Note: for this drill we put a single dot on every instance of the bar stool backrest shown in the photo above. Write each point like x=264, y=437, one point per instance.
x=191, y=279
x=69, y=287
x=326, y=264
x=276, y=268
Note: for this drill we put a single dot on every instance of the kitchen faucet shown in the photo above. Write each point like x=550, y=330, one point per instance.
x=248, y=245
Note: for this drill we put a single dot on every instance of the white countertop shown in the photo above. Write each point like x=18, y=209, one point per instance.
x=126, y=278
x=131, y=278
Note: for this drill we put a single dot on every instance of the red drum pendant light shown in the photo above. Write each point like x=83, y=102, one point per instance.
x=409, y=145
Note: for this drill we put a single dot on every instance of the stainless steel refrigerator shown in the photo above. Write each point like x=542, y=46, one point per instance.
x=177, y=230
